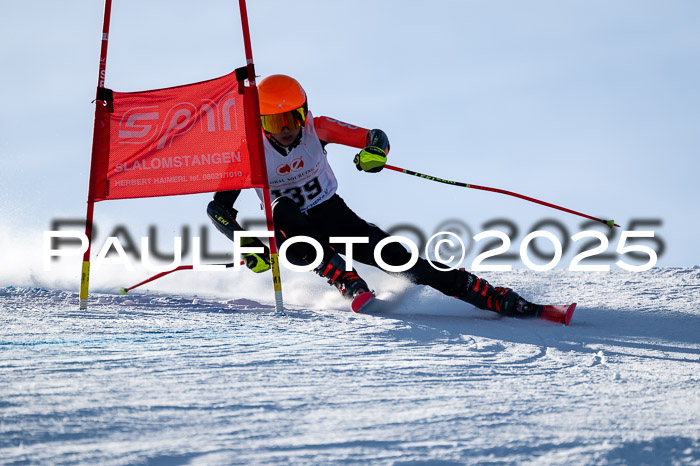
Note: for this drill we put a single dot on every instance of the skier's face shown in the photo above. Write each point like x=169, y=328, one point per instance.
x=287, y=136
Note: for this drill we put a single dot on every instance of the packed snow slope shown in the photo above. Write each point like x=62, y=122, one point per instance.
x=164, y=378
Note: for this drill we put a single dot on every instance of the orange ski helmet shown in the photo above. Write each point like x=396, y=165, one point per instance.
x=282, y=103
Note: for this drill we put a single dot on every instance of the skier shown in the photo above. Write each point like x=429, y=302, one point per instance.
x=305, y=202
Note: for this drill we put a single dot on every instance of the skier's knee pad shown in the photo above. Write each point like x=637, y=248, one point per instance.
x=395, y=254
x=283, y=208
x=290, y=222
x=223, y=218
x=288, y=218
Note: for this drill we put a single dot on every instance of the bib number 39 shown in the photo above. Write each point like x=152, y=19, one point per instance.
x=300, y=194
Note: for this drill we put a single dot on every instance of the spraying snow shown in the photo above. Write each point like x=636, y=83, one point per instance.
x=154, y=377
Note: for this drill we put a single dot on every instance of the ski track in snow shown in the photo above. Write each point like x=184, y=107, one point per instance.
x=151, y=378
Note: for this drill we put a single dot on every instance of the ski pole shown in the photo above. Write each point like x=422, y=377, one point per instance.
x=610, y=223
x=124, y=290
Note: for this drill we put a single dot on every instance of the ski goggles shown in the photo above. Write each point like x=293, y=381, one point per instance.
x=292, y=119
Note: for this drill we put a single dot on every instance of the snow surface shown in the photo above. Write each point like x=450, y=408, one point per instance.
x=157, y=378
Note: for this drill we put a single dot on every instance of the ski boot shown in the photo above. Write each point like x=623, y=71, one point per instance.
x=480, y=293
x=349, y=283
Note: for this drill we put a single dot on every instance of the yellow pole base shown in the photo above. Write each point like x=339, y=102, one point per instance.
x=84, y=284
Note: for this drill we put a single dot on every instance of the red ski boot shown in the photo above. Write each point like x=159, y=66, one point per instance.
x=349, y=283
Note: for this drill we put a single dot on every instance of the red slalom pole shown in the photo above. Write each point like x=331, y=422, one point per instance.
x=610, y=223
x=125, y=290
x=255, y=142
x=100, y=112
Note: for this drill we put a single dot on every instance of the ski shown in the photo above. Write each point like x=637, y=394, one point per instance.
x=362, y=300
x=560, y=314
